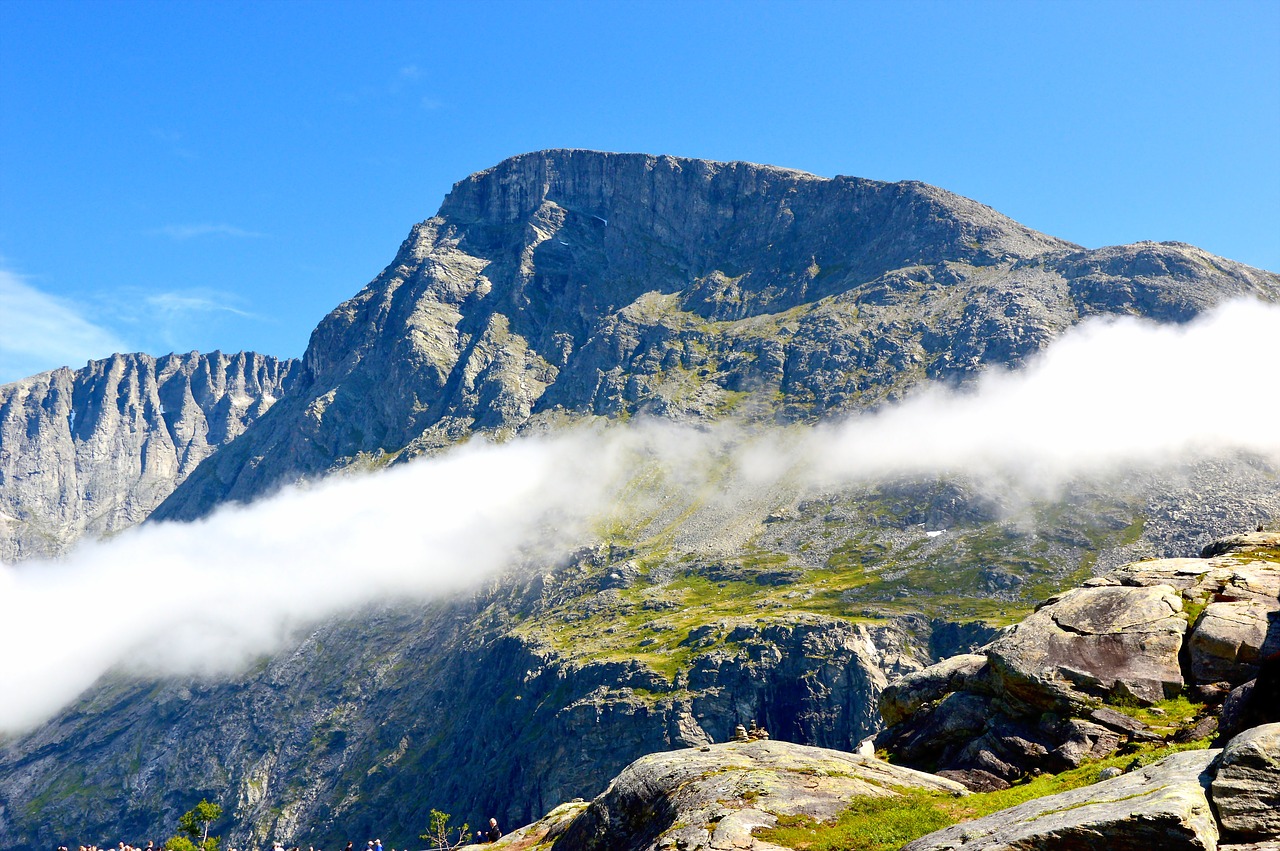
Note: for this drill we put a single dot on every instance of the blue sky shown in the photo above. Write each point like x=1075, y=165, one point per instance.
x=178, y=176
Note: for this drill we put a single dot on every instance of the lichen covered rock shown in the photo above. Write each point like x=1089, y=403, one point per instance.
x=1162, y=806
x=713, y=797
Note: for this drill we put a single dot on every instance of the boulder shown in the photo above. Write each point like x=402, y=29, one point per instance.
x=1161, y=806
x=1246, y=789
x=1254, y=703
x=907, y=694
x=1090, y=643
x=1227, y=641
x=713, y=797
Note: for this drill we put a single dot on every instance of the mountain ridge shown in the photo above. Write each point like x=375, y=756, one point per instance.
x=583, y=283
x=94, y=450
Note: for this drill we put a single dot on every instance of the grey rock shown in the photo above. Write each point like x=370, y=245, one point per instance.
x=1092, y=642
x=1084, y=741
x=1161, y=806
x=1227, y=641
x=975, y=779
x=1246, y=788
x=1241, y=544
x=712, y=799
x=906, y=695
x=95, y=450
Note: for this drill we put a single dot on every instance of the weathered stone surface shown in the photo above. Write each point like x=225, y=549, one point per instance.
x=1242, y=544
x=714, y=796
x=1237, y=576
x=95, y=450
x=907, y=694
x=543, y=831
x=1226, y=643
x=1094, y=642
x=1246, y=788
x=1162, y=806
x=1083, y=741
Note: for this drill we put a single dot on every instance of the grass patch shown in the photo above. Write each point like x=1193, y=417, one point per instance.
x=885, y=824
x=1175, y=712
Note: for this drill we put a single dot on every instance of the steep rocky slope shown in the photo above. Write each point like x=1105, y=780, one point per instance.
x=583, y=283
x=95, y=450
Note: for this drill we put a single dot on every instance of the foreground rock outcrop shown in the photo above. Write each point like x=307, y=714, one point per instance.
x=1246, y=787
x=1191, y=801
x=1164, y=806
x=715, y=796
x=95, y=450
x=1036, y=698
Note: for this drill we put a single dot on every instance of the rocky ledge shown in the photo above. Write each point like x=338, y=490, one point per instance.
x=713, y=797
x=1053, y=690
x=1170, y=805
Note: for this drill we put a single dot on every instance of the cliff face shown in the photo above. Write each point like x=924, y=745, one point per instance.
x=95, y=450
x=609, y=284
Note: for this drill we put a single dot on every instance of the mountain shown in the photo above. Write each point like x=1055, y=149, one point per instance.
x=95, y=450
x=583, y=283
x=562, y=286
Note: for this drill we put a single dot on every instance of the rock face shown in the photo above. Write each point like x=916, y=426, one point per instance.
x=1246, y=788
x=588, y=283
x=1033, y=700
x=1161, y=806
x=95, y=450
x=1094, y=642
x=712, y=798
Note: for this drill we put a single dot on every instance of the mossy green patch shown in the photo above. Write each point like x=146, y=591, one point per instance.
x=884, y=824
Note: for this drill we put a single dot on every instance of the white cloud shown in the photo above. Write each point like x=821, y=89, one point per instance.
x=39, y=332
x=220, y=591
x=1110, y=392
x=182, y=233
x=174, y=304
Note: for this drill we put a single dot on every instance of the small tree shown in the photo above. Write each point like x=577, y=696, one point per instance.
x=438, y=832
x=193, y=825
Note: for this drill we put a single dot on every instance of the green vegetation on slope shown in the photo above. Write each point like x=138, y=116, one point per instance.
x=885, y=824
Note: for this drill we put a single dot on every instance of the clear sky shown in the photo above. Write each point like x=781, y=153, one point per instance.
x=190, y=175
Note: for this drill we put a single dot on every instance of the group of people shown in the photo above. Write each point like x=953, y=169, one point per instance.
x=491, y=834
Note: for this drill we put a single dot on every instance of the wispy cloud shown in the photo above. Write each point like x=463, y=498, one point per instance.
x=39, y=331
x=172, y=139
x=185, y=303
x=181, y=233
x=1108, y=396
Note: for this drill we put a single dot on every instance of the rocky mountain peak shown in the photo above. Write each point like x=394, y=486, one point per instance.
x=716, y=209
x=600, y=284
